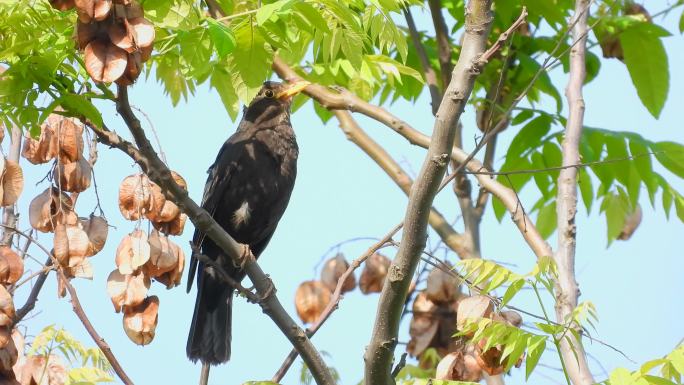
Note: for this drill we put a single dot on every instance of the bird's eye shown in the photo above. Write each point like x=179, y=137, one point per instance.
x=269, y=94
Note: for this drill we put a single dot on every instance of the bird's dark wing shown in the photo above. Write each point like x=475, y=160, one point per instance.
x=217, y=181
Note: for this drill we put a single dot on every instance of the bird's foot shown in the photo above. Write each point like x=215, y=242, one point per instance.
x=246, y=256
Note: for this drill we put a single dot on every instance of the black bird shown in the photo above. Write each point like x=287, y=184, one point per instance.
x=247, y=191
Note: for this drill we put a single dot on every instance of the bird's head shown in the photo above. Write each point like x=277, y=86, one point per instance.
x=273, y=98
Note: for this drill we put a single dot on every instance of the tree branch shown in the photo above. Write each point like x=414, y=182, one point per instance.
x=428, y=71
x=443, y=41
x=380, y=352
x=567, y=290
x=157, y=171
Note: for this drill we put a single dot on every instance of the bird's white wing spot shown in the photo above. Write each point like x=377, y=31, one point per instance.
x=241, y=215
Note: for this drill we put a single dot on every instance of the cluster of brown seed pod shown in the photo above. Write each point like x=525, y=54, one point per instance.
x=439, y=312
x=141, y=257
x=312, y=297
x=114, y=36
x=52, y=211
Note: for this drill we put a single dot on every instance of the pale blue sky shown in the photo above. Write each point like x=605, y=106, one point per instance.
x=341, y=194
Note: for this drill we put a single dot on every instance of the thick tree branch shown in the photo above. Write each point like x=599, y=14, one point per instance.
x=357, y=135
x=566, y=288
x=428, y=71
x=157, y=171
x=380, y=352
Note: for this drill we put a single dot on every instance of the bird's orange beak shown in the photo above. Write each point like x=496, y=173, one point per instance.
x=293, y=89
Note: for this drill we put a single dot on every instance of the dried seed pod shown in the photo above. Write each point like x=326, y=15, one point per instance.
x=69, y=140
x=169, y=211
x=73, y=177
x=374, y=273
x=82, y=270
x=133, y=252
x=97, y=229
x=127, y=290
x=146, y=53
x=490, y=360
x=458, y=366
x=163, y=256
x=473, y=309
x=135, y=193
x=422, y=330
x=87, y=32
x=157, y=200
x=49, y=208
x=121, y=35
x=11, y=266
x=173, y=278
x=71, y=244
x=105, y=62
x=512, y=317
x=442, y=286
x=43, y=370
x=423, y=305
x=632, y=221
x=143, y=31
x=8, y=357
x=333, y=270
x=5, y=336
x=133, y=9
x=133, y=69
x=174, y=227
x=12, y=183
x=45, y=148
x=6, y=307
x=139, y=322
x=89, y=10
x=62, y=5
x=311, y=299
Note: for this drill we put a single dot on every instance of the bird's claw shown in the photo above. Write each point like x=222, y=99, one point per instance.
x=246, y=256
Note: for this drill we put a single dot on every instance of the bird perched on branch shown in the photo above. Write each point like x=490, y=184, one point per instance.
x=247, y=191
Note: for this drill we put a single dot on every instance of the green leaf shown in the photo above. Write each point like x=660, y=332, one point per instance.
x=647, y=64
x=313, y=16
x=223, y=84
x=222, y=37
x=252, y=58
x=266, y=11
x=679, y=208
x=535, y=349
x=547, y=219
x=621, y=376
x=681, y=23
x=586, y=189
x=79, y=105
x=616, y=208
x=671, y=156
x=530, y=136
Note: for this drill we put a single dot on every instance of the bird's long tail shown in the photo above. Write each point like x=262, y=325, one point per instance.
x=209, y=337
